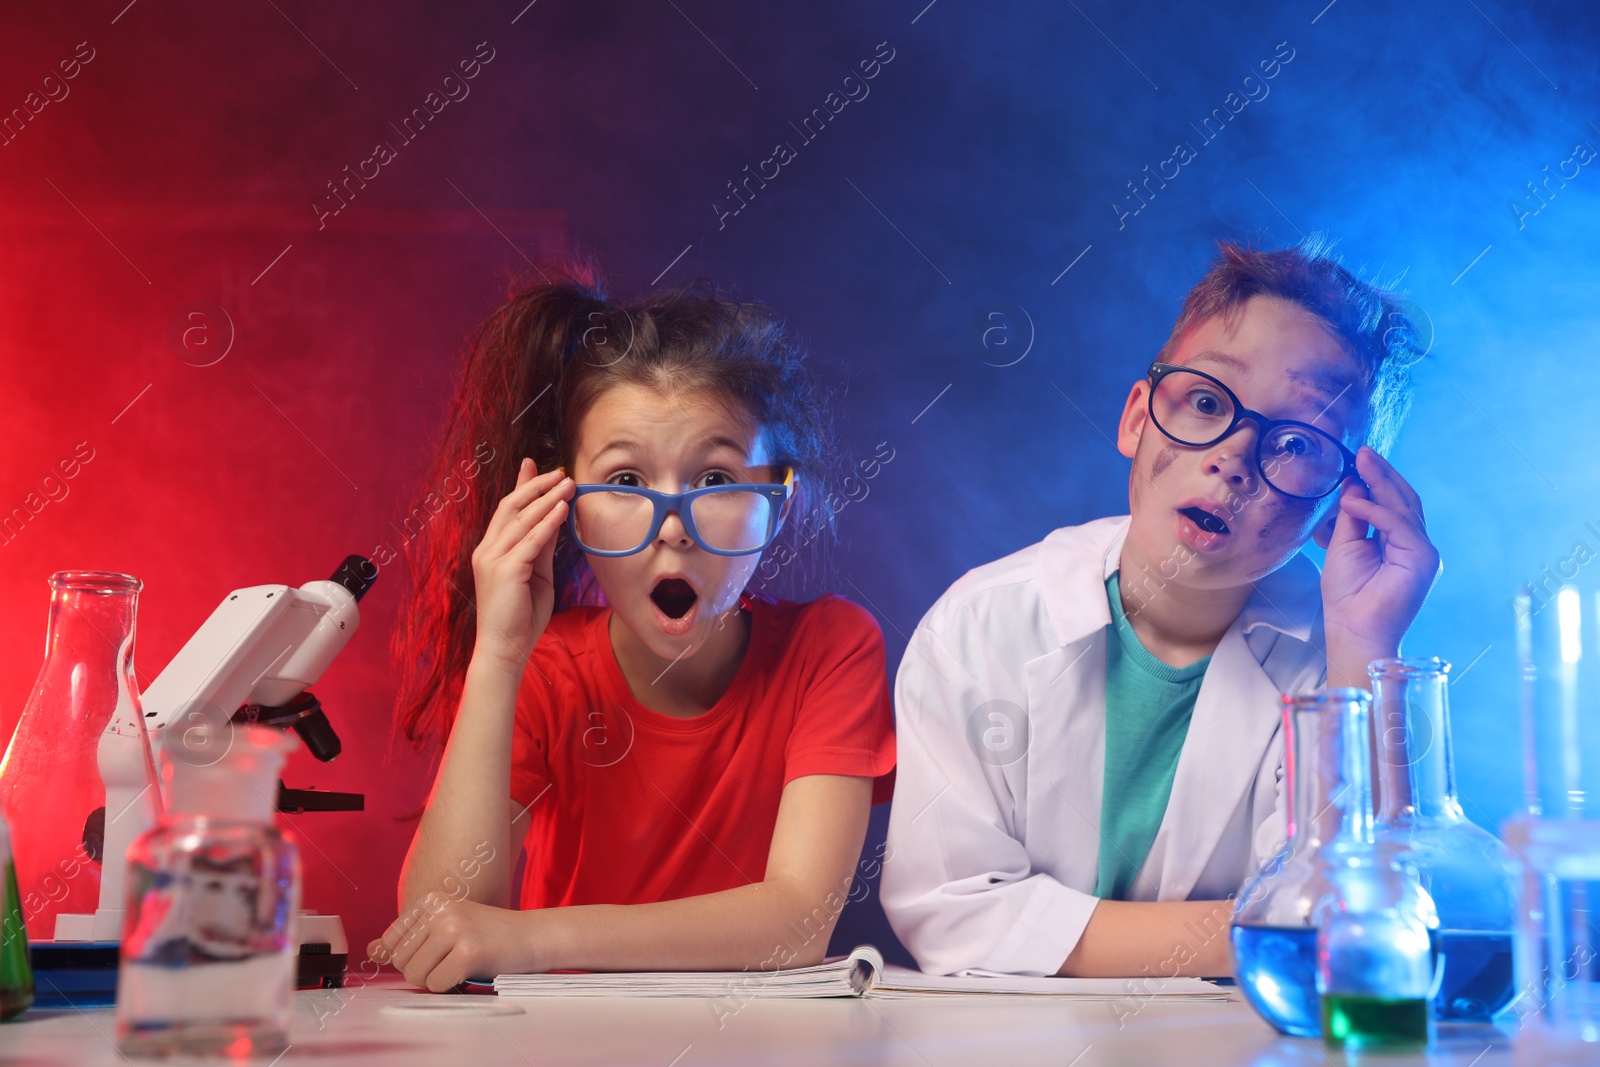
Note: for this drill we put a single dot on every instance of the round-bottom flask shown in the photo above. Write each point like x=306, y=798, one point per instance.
x=1469, y=873
x=1273, y=935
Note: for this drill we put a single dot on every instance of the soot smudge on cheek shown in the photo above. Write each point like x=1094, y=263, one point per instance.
x=1164, y=459
x=1288, y=519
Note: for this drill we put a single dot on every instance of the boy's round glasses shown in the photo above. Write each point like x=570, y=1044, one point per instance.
x=725, y=520
x=1296, y=459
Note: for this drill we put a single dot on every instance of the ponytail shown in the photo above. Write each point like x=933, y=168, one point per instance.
x=508, y=404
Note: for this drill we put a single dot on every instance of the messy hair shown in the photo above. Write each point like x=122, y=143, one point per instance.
x=1372, y=323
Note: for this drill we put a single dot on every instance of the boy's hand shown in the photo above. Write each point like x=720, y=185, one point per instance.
x=1373, y=587
x=440, y=947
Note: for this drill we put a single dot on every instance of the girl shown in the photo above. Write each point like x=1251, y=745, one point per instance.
x=689, y=765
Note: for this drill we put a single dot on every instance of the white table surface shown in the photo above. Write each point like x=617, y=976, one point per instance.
x=334, y=1028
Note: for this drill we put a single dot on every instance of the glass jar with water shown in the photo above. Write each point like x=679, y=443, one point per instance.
x=208, y=941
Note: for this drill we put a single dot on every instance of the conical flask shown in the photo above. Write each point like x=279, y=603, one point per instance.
x=81, y=727
x=1328, y=778
x=1467, y=871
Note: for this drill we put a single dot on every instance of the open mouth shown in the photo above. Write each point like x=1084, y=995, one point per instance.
x=1204, y=519
x=674, y=596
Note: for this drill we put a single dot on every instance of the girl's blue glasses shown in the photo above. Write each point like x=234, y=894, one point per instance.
x=725, y=520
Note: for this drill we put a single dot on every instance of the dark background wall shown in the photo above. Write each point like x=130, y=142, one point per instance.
x=958, y=246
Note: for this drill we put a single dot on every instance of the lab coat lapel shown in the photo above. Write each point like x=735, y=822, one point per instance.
x=1066, y=747
x=1235, y=716
x=1066, y=757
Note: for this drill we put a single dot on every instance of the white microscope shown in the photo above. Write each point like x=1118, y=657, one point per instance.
x=252, y=661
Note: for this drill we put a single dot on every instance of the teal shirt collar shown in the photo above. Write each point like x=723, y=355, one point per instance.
x=1134, y=649
x=1075, y=561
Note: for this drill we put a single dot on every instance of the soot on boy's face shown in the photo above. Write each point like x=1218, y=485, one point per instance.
x=1202, y=515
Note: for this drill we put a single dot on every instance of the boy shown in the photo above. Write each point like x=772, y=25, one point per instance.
x=1090, y=761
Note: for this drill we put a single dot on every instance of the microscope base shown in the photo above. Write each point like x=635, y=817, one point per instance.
x=83, y=974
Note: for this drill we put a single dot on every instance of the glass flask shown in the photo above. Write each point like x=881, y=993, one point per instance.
x=82, y=718
x=16, y=972
x=208, y=941
x=1375, y=950
x=1467, y=871
x=1328, y=780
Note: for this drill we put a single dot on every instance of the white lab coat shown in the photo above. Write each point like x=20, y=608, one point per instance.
x=993, y=866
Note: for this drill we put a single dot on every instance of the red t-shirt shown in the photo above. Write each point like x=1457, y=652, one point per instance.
x=630, y=806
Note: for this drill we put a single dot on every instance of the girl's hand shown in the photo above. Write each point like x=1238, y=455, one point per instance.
x=441, y=947
x=1373, y=587
x=512, y=566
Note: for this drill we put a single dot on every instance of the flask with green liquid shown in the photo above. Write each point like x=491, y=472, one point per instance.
x=1376, y=963
x=16, y=976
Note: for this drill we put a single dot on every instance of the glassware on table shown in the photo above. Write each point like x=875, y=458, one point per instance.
x=1327, y=777
x=16, y=973
x=1375, y=950
x=1468, y=872
x=1557, y=838
x=81, y=719
x=208, y=941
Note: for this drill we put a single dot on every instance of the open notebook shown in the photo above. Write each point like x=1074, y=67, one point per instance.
x=862, y=973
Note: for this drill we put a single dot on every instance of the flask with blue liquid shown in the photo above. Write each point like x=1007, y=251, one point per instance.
x=1467, y=871
x=1328, y=779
